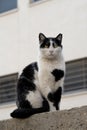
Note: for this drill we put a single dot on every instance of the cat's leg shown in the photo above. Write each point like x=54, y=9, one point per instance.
x=59, y=81
x=54, y=99
x=47, y=93
x=51, y=106
x=46, y=83
x=57, y=97
x=50, y=98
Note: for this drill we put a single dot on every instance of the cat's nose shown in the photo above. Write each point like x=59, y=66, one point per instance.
x=51, y=51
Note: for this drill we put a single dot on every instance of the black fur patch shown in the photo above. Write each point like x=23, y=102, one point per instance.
x=57, y=97
x=36, y=66
x=23, y=87
x=47, y=42
x=28, y=71
x=24, y=104
x=50, y=97
x=58, y=74
x=26, y=84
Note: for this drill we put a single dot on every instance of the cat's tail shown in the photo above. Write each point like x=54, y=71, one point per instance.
x=25, y=113
x=20, y=113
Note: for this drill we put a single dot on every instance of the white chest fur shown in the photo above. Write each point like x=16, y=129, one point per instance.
x=46, y=79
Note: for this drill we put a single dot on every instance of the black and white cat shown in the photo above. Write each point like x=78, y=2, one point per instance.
x=39, y=87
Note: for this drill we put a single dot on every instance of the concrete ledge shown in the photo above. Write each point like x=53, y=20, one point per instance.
x=73, y=119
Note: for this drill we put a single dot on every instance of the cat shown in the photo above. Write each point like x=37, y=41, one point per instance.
x=51, y=69
x=40, y=85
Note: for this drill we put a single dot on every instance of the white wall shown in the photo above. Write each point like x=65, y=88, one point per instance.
x=19, y=31
x=76, y=99
x=9, y=57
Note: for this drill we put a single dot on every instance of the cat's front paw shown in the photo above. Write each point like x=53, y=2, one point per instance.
x=51, y=97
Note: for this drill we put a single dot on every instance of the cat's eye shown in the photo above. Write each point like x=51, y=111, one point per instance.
x=46, y=46
x=55, y=45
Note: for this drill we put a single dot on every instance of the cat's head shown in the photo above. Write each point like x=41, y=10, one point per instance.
x=50, y=47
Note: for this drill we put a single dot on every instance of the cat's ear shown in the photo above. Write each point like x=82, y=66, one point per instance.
x=42, y=37
x=59, y=37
